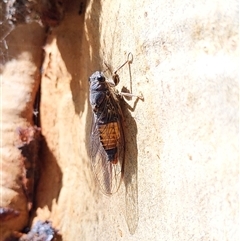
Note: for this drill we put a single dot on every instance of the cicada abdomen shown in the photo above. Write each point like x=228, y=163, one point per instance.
x=107, y=138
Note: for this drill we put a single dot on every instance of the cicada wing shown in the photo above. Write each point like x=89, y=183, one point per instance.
x=107, y=173
x=94, y=138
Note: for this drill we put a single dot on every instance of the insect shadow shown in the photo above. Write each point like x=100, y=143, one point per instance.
x=130, y=176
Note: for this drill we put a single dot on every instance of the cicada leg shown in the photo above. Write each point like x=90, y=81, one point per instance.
x=132, y=95
x=115, y=76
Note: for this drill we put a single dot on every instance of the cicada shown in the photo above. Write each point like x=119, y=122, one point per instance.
x=107, y=145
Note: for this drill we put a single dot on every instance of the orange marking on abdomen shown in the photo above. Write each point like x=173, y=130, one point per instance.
x=109, y=135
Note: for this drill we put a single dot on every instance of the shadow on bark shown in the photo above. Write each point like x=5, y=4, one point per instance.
x=130, y=176
x=50, y=182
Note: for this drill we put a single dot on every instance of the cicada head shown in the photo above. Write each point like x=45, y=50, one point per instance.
x=97, y=77
x=97, y=82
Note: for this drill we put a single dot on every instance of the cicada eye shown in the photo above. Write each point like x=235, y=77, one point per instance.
x=101, y=78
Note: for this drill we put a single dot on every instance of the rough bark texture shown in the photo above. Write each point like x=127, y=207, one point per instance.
x=20, y=78
x=182, y=157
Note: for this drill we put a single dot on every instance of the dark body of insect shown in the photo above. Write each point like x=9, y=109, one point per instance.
x=107, y=138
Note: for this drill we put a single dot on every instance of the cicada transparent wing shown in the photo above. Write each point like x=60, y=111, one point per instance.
x=94, y=145
x=104, y=136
